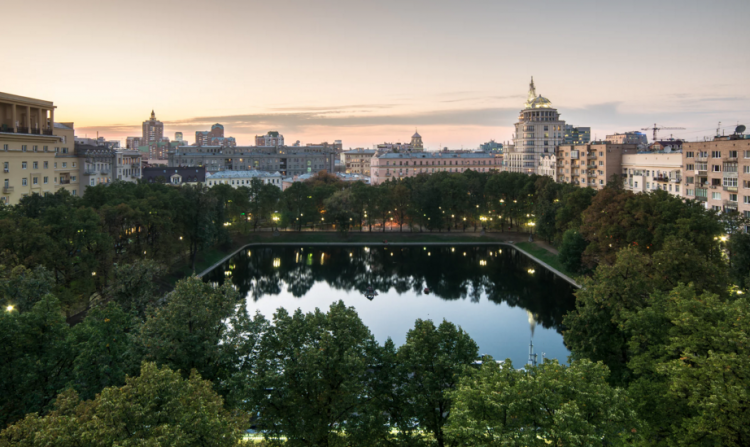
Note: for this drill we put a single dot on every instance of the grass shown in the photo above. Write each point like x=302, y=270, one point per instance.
x=545, y=256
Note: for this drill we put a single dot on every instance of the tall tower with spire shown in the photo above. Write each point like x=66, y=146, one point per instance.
x=153, y=136
x=416, y=142
x=532, y=93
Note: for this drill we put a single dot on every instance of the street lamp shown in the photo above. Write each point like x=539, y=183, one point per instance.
x=9, y=308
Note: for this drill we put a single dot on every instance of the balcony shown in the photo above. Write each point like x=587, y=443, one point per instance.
x=675, y=179
x=701, y=198
x=89, y=172
x=7, y=189
x=104, y=171
x=661, y=179
x=699, y=158
x=730, y=204
x=730, y=188
x=64, y=181
x=702, y=173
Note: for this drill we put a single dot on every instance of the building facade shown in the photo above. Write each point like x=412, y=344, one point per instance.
x=271, y=139
x=718, y=173
x=153, y=133
x=287, y=160
x=628, y=138
x=576, y=135
x=128, y=165
x=548, y=166
x=243, y=178
x=538, y=131
x=647, y=171
x=214, y=137
x=396, y=165
x=30, y=142
x=96, y=164
x=174, y=176
x=357, y=161
x=416, y=142
x=591, y=164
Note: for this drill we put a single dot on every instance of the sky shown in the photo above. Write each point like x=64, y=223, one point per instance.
x=367, y=72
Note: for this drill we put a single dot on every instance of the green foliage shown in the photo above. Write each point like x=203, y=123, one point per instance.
x=571, y=249
x=315, y=378
x=549, y=404
x=738, y=248
x=21, y=287
x=36, y=359
x=187, y=332
x=157, y=408
x=134, y=286
x=433, y=359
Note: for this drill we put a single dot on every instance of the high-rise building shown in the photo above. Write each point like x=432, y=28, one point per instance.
x=538, y=130
x=214, y=137
x=577, y=135
x=271, y=139
x=178, y=137
x=153, y=133
x=491, y=146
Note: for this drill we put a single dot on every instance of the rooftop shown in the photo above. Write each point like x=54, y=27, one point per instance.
x=241, y=174
x=434, y=155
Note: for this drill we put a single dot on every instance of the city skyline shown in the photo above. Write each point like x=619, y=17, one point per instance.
x=369, y=73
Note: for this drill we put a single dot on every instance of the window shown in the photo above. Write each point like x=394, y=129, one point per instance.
x=6, y=183
x=35, y=165
x=732, y=154
x=746, y=199
x=23, y=148
x=92, y=182
x=74, y=193
x=46, y=164
x=45, y=148
x=746, y=169
x=65, y=164
x=677, y=188
x=55, y=165
x=24, y=182
x=733, y=197
x=35, y=148
x=5, y=147
x=46, y=180
x=23, y=165
x=689, y=154
x=689, y=180
x=716, y=196
x=715, y=154
x=601, y=163
x=35, y=180
x=715, y=168
x=730, y=181
x=716, y=208
x=746, y=154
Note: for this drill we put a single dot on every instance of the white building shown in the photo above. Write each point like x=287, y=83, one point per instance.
x=649, y=171
x=128, y=165
x=628, y=138
x=538, y=130
x=548, y=165
x=242, y=178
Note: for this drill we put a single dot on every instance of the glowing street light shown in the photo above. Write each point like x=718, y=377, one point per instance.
x=9, y=308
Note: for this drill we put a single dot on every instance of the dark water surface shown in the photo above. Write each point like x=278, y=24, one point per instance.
x=495, y=293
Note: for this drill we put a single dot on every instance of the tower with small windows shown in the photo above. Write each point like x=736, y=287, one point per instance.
x=416, y=142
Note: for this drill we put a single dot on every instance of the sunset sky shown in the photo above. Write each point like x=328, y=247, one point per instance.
x=369, y=72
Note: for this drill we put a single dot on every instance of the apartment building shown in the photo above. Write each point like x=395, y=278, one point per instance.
x=357, y=161
x=591, y=164
x=289, y=160
x=271, y=139
x=32, y=146
x=648, y=171
x=96, y=164
x=628, y=138
x=396, y=165
x=718, y=173
x=128, y=165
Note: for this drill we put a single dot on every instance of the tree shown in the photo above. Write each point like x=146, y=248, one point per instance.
x=105, y=350
x=21, y=287
x=738, y=247
x=572, y=247
x=196, y=218
x=187, y=332
x=135, y=287
x=158, y=407
x=339, y=209
x=314, y=380
x=36, y=359
x=549, y=404
x=433, y=358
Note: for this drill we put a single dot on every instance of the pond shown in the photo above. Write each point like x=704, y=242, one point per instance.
x=503, y=299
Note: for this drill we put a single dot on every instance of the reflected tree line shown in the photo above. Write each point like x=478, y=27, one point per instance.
x=449, y=273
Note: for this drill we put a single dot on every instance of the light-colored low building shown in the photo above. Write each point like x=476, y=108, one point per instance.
x=357, y=161
x=649, y=171
x=243, y=178
x=394, y=165
x=96, y=163
x=128, y=165
x=628, y=138
x=591, y=164
x=548, y=165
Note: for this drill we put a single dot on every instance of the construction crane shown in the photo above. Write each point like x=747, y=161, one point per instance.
x=656, y=129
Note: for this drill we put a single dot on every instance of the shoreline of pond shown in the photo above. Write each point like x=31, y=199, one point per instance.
x=387, y=244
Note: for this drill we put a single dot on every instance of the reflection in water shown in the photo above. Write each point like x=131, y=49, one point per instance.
x=398, y=277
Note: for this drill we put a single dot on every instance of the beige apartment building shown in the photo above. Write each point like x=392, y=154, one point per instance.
x=33, y=148
x=396, y=165
x=648, y=171
x=357, y=161
x=591, y=164
x=718, y=173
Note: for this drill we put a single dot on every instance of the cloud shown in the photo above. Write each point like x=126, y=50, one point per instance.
x=295, y=120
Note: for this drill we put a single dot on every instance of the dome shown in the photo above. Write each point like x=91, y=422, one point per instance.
x=540, y=102
x=416, y=135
